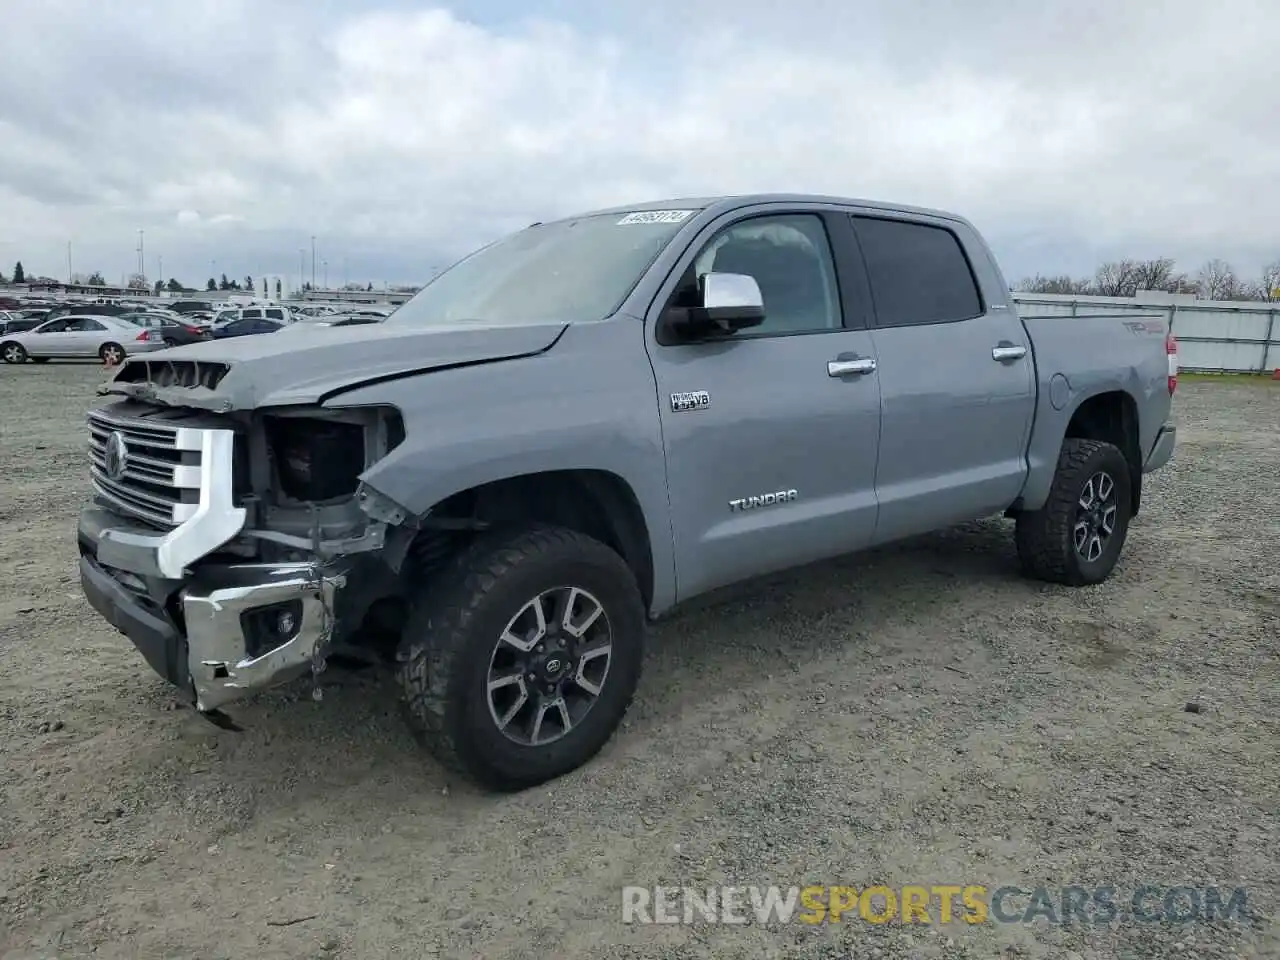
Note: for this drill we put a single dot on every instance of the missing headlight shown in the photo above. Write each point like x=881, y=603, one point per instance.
x=316, y=460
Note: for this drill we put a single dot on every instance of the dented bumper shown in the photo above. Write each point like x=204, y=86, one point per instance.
x=227, y=631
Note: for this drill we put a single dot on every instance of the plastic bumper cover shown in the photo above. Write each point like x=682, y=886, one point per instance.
x=1162, y=452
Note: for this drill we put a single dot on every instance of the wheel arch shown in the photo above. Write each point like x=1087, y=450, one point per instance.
x=598, y=503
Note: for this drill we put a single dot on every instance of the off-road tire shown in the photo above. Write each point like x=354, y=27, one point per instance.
x=453, y=625
x=13, y=352
x=1044, y=537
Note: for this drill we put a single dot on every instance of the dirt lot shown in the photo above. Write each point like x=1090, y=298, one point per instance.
x=917, y=715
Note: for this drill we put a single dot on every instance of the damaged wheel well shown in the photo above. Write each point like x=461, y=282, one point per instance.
x=597, y=503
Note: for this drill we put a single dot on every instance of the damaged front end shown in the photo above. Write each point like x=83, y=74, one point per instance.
x=232, y=548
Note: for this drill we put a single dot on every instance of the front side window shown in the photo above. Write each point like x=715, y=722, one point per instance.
x=569, y=271
x=919, y=273
x=790, y=259
x=275, y=314
x=52, y=326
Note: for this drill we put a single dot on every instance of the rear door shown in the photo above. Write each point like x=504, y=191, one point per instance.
x=957, y=382
x=770, y=435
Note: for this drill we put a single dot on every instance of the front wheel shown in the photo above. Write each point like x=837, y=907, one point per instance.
x=112, y=354
x=13, y=353
x=518, y=662
x=1076, y=537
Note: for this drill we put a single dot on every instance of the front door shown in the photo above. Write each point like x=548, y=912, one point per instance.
x=770, y=435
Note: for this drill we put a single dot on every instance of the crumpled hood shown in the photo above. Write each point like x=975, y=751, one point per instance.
x=244, y=373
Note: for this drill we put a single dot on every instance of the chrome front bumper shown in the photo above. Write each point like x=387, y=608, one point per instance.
x=222, y=634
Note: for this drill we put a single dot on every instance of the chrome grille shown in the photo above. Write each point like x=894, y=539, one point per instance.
x=160, y=479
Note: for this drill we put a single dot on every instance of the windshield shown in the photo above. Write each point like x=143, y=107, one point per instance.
x=571, y=270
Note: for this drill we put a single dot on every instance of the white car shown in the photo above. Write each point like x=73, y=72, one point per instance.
x=77, y=336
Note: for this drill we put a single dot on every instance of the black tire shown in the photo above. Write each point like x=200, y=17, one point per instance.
x=453, y=633
x=170, y=342
x=13, y=352
x=1047, y=539
x=111, y=350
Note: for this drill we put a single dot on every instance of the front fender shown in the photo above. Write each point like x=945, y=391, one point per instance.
x=589, y=403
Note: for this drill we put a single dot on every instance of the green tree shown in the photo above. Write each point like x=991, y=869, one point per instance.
x=212, y=284
x=277, y=288
x=248, y=283
x=159, y=287
x=19, y=275
x=173, y=286
x=96, y=280
x=224, y=283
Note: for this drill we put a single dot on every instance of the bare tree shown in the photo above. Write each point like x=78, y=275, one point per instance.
x=1159, y=274
x=1267, y=289
x=1062, y=284
x=1119, y=278
x=1217, y=281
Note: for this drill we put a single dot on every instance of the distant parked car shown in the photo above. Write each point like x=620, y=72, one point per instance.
x=174, y=332
x=318, y=323
x=245, y=327
x=110, y=339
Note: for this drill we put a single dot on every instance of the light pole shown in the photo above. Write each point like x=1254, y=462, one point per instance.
x=159, y=269
x=325, y=264
x=69, y=274
x=313, y=262
x=302, y=272
x=142, y=263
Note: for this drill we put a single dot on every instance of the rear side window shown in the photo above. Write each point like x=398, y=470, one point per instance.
x=275, y=314
x=919, y=273
x=251, y=314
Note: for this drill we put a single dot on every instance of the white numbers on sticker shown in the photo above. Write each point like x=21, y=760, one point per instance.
x=656, y=216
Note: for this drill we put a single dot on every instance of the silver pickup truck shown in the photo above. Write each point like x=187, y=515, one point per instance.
x=580, y=426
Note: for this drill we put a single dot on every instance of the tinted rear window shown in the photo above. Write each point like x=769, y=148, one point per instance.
x=918, y=273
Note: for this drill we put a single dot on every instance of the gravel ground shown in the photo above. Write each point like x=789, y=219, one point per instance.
x=918, y=715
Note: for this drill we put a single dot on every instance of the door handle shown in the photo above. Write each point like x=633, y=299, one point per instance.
x=850, y=367
x=1008, y=351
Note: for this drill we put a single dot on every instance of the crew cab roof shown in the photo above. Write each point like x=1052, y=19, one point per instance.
x=725, y=204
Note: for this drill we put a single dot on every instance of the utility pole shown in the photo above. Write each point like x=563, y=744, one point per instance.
x=313, y=262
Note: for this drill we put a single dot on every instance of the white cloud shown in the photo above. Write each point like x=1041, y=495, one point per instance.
x=399, y=137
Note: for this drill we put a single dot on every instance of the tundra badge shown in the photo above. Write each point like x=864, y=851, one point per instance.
x=696, y=400
x=764, y=500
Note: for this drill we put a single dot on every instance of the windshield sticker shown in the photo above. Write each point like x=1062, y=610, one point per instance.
x=656, y=216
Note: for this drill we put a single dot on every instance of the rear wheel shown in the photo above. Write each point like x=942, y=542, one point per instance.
x=170, y=342
x=1076, y=537
x=111, y=354
x=13, y=352
x=517, y=664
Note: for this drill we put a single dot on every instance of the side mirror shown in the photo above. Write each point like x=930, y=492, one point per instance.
x=729, y=302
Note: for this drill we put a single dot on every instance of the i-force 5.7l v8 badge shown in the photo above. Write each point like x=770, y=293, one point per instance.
x=695, y=400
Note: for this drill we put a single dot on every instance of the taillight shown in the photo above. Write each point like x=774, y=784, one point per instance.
x=144, y=335
x=195, y=330
x=1171, y=348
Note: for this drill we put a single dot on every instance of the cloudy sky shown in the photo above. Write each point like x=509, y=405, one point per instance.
x=401, y=135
